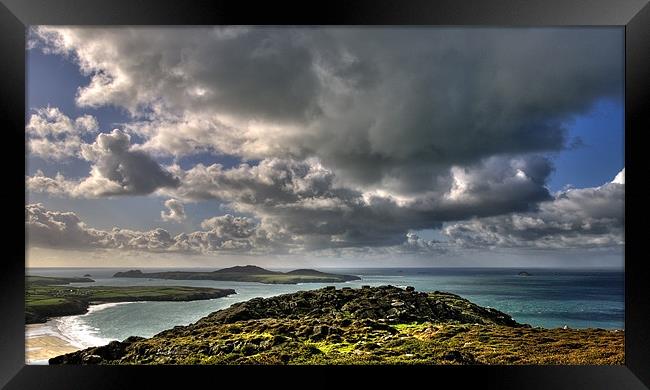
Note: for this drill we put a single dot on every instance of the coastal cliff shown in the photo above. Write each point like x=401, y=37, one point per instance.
x=379, y=325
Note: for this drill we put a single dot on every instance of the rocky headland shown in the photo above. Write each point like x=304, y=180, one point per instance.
x=246, y=273
x=371, y=325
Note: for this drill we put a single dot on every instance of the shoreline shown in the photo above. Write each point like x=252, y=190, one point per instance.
x=46, y=340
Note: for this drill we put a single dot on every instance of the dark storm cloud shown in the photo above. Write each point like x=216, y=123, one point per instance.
x=303, y=199
x=576, y=218
x=363, y=135
x=116, y=170
x=387, y=107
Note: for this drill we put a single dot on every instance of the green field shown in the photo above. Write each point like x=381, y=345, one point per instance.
x=49, y=297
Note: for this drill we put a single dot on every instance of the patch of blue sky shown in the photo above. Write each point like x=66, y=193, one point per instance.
x=53, y=80
x=601, y=154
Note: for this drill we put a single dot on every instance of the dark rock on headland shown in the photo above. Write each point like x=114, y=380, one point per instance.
x=386, y=303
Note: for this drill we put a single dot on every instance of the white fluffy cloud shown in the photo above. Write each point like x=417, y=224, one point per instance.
x=175, y=211
x=54, y=136
x=54, y=229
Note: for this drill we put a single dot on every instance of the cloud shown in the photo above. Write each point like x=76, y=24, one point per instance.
x=116, y=170
x=355, y=137
x=620, y=177
x=175, y=211
x=55, y=229
x=576, y=218
x=585, y=218
x=65, y=230
x=304, y=199
x=54, y=136
x=381, y=107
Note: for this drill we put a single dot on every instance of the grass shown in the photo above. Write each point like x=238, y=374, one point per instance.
x=45, y=298
x=264, y=342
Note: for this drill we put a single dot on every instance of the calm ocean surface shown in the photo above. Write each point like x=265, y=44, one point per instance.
x=548, y=298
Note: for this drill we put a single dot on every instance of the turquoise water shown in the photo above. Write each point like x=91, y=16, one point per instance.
x=547, y=298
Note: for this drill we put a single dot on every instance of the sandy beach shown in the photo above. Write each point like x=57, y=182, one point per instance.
x=41, y=344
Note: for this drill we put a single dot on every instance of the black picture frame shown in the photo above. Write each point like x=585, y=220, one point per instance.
x=15, y=15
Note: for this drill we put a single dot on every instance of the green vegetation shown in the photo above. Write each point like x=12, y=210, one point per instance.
x=384, y=325
x=49, y=297
x=48, y=280
x=248, y=273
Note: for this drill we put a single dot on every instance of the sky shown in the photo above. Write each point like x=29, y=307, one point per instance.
x=325, y=147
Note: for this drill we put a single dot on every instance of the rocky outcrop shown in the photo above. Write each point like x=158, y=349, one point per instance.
x=111, y=351
x=307, y=327
x=386, y=304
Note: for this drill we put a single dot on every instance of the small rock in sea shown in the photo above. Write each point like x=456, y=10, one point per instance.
x=330, y=288
x=365, y=287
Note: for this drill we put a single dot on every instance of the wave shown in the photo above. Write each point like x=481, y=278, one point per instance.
x=77, y=331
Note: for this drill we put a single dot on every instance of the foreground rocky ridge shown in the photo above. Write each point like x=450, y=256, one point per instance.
x=381, y=325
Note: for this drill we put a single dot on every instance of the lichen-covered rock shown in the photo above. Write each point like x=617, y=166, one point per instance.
x=388, y=303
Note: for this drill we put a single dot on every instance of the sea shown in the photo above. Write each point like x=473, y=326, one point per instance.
x=548, y=298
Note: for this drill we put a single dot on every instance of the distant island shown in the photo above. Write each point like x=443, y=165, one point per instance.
x=248, y=273
x=50, y=297
x=370, y=325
